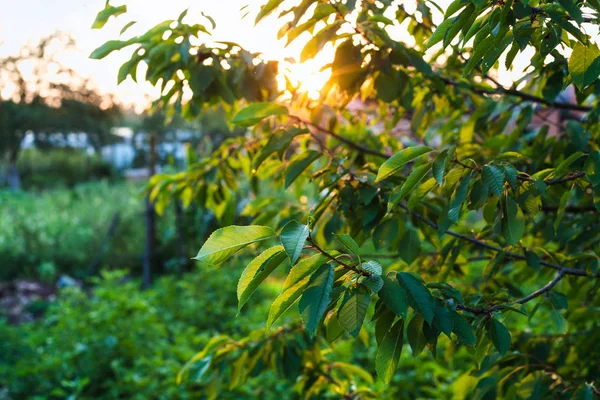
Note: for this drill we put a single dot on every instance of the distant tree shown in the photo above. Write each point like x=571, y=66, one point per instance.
x=50, y=103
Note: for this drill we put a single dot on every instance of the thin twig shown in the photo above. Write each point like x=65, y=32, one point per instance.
x=566, y=270
x=356, y=146
x=546, y=288
x=348, y=267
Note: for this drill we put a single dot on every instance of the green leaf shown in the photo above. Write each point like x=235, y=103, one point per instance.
x=293, y=236
x=293, y=286
x=319, y=40
x=422, y=298
x=375, y=281
x=584, y=64
x=394, y=297
x=532, y=260
x=562, y=205
x=278, y=142
x=389, y=351
x=394, y=163
x=412, y=180
x=416, y=338
x=225, y=242
x=493, y=178
x=511, y=174
x=109, y=47
x=459, y=197
x=104, y=15
x=592, y=168
x=513, y=221
x=387, y=87
x=440, y=162
x=440, y=32
x=572, y=9
x=353, y=310
x=442, y=321
x=256, y=272
x=559, y=322
x=127, y=26
x=500, y=336
x=410, y=246
x=333, y=329
x=267, y=9
x=372, y=266
x=316, y=297
x=298, y=164
x=256, y=112
x=349, y=244
x=562, y=167
x=480, y=51
x=462, y=329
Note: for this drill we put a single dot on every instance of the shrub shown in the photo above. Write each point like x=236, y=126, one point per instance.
x=120, y=342
x=61, y=168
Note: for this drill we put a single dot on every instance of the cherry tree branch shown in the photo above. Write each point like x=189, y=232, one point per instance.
x=546, y=288
x=565, y=269
x=366, y=150
x=315, y=246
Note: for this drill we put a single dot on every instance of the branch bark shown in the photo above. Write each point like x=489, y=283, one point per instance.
x=546, y=288
x=558, y=267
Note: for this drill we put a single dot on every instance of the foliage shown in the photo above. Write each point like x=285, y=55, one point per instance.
x=62, y=231
x=61, y=168
x=64, y=228
x=118, y=342
x=488, y=219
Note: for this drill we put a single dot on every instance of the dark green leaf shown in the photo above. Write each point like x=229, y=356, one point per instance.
x=316, y=297
x=389, y=351
x=394, y=297
x=513, y=221
x=416, y=289
x=353, y=310
x=298, y=164
x=493, y=178
x=410, y=246
x=500, y=336
x=293, y=236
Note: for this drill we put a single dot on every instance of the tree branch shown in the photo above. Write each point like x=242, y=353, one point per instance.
x=355, y=146
x=348, y=267
x=566, y=270
x=546, y=288
x=517, y=93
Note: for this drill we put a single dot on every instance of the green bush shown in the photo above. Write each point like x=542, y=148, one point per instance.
x=57, y=232
x=46, y=234
x=61, y=168
x=120, y=342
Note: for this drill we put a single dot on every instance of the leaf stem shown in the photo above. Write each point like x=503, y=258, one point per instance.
x=348, y=267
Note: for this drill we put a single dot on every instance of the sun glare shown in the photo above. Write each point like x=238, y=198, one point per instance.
x=307, y=77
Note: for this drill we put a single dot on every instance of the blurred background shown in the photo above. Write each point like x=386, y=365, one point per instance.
x=98, y=297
